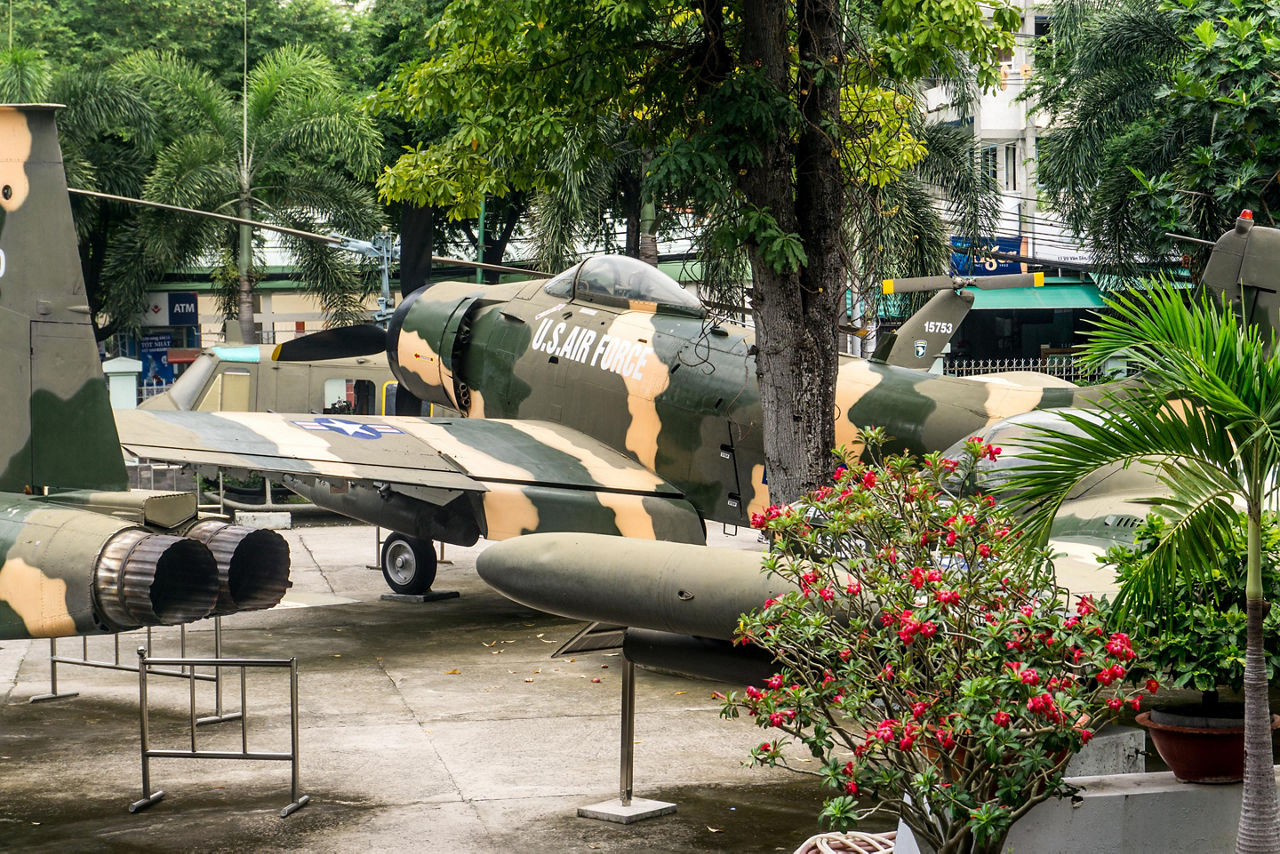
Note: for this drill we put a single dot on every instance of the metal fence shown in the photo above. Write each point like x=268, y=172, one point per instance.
x=150, y=388
x=1064, y=366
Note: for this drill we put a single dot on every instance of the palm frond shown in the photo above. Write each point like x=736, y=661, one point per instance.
x=1204, y=411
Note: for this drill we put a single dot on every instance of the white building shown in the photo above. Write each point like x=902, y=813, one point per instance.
x=1008, y=129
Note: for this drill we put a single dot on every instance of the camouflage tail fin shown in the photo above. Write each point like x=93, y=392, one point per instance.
x=1244, y=267
x=64, y=435
x=920, y=340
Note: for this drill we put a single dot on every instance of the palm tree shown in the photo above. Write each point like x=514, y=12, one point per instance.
x=907, y=230
x=1157, y=122
x=291, y=151
x=1205, y=414
x=25, y=75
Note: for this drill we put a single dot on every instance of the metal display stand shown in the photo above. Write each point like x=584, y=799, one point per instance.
x=145, y=665
x=626, y=809
x=114, y=663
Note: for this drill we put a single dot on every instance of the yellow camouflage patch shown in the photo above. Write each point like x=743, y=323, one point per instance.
x=15, y=142
x=40, y=601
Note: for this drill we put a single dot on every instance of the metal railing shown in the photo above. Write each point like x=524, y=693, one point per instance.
x=115, y=663
x=146, y=665
x=1065, y=367
x=150, y=388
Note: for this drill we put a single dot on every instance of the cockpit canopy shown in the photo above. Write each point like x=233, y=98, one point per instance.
x=617, y=280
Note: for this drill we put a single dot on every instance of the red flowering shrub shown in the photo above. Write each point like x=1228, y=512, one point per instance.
x=926, y=656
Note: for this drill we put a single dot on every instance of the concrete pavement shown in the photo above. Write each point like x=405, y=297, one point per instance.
x=425, y=727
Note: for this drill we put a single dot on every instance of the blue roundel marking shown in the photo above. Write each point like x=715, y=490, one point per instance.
x=348, y=428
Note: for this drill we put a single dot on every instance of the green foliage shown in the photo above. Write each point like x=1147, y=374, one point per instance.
x=1167, y=118
x=307, y=148
x=925, y=657
x=25, y=76
x=1196, y=637
x=515, y=78
x=1218, y=449
x=97, y=34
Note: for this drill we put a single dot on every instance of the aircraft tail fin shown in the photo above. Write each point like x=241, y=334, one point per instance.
x=1243, y=268
x=919, y=341
x=63, y=435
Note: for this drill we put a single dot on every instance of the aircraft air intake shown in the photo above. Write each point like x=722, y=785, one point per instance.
x=427, y=338
x=146, y=579
x=253, y=565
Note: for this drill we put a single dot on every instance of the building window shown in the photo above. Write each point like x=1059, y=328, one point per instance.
x=989, y=162
x=1011, y=166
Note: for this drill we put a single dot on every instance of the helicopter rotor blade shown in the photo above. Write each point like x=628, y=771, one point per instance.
x=345, y=342
x=985, y=283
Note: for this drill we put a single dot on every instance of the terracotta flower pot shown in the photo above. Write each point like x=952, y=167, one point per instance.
x=1200, y=747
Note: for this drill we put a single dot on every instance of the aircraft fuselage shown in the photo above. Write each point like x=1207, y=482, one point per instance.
x=664, y=386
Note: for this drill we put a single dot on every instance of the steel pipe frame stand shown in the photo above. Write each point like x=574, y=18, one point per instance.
x=150, y=798
x=626, y=809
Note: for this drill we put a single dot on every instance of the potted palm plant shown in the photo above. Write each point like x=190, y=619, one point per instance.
x=1196, y=641
x=1205, y=412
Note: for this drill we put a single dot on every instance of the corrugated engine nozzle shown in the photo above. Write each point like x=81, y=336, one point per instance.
x=146, y=579
x=253, y=565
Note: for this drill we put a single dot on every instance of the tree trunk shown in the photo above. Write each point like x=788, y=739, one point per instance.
x=648, y=248
x=244, y=265
x=631, y=183
x=801, y=186
x=416, y=242
x=1259, y=829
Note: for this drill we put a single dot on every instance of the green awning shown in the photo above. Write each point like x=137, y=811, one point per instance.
x=1047, y=297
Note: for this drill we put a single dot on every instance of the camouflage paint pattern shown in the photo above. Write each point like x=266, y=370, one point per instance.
x=78, y=553
x=64, y=437
x=517, y=477
x=47, y=554
x=658, y=383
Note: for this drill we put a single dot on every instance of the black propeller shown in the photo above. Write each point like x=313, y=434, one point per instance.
x=939, y=283
x=345, y=342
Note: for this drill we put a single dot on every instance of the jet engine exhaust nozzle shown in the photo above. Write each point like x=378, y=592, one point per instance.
x=253, y=565
x=146, y=579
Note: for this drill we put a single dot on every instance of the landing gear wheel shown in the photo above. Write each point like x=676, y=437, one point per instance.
x=408, y=564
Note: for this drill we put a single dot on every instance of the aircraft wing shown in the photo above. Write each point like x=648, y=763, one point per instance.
x=449, y=479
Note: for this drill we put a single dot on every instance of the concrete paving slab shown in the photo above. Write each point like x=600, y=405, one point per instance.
x=399, y=752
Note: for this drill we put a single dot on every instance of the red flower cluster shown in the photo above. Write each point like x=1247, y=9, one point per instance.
x=1119, y=646
x=1043, y=704
x=1110, y=674
x=909, y=627
x=759, y=520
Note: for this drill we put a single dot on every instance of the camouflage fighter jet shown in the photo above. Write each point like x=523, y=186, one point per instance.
x=608, y=379
x=681, y=604
x=79, y=552
x=610, y=359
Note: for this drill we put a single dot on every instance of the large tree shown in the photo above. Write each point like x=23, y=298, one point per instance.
x=290, y=151
x=1166, y=118
x=781, y=116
